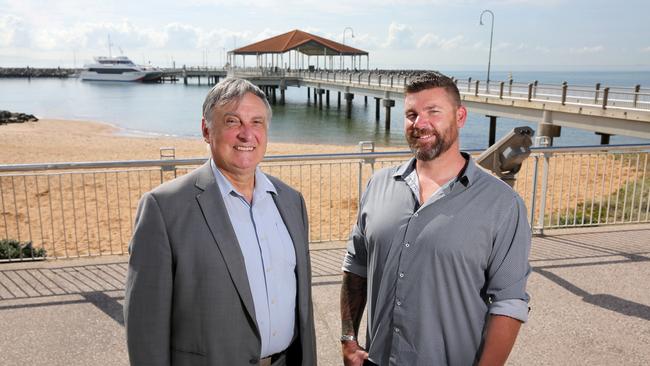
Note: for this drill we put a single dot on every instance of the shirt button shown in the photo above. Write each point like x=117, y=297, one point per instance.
x=396, y=330
x=415, y=214
x=399, y=303
x=401, y=274
x=407, y=244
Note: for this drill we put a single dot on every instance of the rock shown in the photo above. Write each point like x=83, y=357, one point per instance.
x=9, y=117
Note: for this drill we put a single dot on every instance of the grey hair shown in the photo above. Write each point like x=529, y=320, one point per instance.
x=231, y=90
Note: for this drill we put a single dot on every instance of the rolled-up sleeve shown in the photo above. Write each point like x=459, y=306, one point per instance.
x=355, y=259
x=509, y=268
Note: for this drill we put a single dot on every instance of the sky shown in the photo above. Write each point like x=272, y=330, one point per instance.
x=415, y=34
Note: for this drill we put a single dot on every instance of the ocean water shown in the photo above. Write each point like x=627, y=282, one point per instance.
x=175, y=109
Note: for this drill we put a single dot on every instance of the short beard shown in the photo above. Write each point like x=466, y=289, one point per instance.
x=430, y=152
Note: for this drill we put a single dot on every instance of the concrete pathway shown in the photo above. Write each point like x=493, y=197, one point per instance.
x=590, y=304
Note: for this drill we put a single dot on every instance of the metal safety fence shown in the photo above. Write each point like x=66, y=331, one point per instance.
x=87, y=209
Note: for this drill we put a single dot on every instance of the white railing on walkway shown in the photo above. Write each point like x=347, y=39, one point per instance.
x=599, y=95
x=87, y=209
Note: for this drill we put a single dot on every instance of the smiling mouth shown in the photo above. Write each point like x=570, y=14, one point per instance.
x=244, y=148
x=423, y=137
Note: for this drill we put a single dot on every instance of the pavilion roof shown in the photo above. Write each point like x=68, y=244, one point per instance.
x=300, y=41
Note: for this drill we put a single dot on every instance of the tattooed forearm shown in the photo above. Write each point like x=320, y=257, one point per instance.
x=353, y=302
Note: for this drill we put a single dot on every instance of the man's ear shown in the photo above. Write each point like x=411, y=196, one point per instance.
x=461, y=116
x=205, y=131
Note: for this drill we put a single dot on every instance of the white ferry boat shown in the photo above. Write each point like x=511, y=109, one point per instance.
x=119, y=68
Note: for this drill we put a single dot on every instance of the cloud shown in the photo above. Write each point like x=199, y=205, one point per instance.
x=586, y=50
x=400, y=36
x=13, y=32
x=431, y=40
x=646, y=49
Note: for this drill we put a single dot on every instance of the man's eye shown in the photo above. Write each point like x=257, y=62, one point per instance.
x=411, y=117
x=232, y=121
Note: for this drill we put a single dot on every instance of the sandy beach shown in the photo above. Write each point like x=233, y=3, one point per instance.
x=90, y=212
x=50, y=140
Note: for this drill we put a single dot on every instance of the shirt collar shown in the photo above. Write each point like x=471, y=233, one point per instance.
x=262, y=182
x=466, y=176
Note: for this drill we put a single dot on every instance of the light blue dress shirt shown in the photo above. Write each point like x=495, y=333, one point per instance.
x=269, y=256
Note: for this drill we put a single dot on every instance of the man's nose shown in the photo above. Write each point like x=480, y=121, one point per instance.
x=245, y=131
x=420, y=121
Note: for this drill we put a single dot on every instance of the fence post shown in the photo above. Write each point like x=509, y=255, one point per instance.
x=510, y=87
x=365, y=147
x=530, y=91
x=542, y=202
x=596, y=93
x=534, y=191
x=476, y=88
x=501, y=90
x=167, y=153
x=605, y=97
x=469, y=84
x=535, y=89
x=564, y=89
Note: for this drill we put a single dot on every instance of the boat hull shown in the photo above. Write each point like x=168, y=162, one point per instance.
x=135, y=76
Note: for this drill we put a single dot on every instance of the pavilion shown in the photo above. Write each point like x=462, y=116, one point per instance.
x=300, y=50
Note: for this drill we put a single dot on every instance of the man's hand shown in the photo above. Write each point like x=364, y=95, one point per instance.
x=353, y=354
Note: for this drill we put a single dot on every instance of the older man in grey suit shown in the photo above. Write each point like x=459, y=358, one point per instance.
x=219, y=272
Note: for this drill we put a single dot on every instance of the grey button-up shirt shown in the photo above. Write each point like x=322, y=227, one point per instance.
x=435, y=271
x=269, y=256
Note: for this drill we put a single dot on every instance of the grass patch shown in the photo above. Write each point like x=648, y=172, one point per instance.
x=14, y=249
x=622, y=207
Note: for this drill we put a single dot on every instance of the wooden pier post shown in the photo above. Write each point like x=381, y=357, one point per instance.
x=388, y=104
x=348, y=104
x=377, y=108
x=493, y=130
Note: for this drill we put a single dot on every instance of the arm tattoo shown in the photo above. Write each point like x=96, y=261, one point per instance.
x=353, y=302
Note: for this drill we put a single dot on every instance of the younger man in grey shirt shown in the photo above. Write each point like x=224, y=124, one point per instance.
x=440, y=247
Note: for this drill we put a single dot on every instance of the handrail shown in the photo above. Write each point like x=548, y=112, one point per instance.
x=298, y=157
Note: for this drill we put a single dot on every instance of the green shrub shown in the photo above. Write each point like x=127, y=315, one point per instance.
x=12, y=249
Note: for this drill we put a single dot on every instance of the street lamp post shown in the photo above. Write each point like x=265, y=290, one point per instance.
x=351, y=32
x=490, y=54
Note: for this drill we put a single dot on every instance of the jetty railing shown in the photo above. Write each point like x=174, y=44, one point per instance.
x=87, y=209
x=599, y=95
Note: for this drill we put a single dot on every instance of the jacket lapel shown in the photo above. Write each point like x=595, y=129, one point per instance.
x=216, y=217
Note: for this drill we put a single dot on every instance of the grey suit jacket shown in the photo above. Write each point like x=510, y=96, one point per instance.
x=188, y=301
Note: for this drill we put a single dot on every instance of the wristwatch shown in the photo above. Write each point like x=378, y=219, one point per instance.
x=347, y=337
